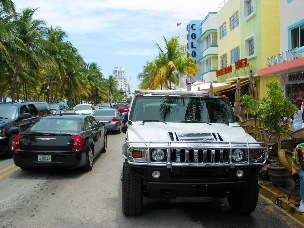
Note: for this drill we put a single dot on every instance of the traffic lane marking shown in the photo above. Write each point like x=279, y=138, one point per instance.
x=8, y=170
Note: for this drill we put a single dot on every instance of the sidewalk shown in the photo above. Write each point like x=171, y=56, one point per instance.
x=286, y=197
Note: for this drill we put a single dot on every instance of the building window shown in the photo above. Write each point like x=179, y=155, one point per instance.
x=234, y=20
x=214, y=39
x=297, y=37
x=249, y=8
x=250, y=44
x=235, y=55
x=223, y=30
x=206, y=66
x=224, y=60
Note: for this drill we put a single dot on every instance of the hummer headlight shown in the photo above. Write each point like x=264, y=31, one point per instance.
x=158, y=154
x=238, y=155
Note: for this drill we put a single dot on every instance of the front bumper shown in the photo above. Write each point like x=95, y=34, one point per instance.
x=193, y=181
x=3, y=145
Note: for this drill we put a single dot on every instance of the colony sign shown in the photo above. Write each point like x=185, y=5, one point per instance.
x=193, y=37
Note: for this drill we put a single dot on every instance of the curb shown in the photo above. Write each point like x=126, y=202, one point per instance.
x=281, y=200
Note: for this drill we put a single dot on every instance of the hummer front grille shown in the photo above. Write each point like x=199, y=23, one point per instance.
x=197, y=153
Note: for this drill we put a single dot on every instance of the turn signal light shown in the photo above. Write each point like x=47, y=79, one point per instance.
x=77, y=143
x=136, y=154
x=114, y=119
x=16, y=142
x=255, y=154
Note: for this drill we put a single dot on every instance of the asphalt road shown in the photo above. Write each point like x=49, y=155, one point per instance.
x=73, y=198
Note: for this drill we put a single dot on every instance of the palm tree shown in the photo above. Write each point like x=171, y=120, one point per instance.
x=94, y=77
x=112, y=88
x=28, y=33
x=7, y=6
x=166, y=69
x=7, y=10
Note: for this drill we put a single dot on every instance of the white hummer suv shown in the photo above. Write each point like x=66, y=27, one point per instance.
x=187, y=144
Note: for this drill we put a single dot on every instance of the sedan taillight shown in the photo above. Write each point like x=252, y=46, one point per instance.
x=16, y=142
x=77, y=143
x=114, y=119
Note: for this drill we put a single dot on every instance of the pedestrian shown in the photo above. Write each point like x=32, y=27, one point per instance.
x=297, y=167
x=297, y=121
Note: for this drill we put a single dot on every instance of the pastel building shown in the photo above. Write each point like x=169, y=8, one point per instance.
x=248, y=32
x=209, y=48
x=288, y=62
x=193, y=46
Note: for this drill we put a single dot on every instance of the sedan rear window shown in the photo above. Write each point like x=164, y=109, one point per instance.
x=61, y=125
x=102, y=112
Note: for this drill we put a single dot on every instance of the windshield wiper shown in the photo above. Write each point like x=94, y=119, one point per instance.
x=192, y=121
x=150, y=121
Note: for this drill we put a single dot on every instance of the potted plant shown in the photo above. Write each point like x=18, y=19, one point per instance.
x=274, y=113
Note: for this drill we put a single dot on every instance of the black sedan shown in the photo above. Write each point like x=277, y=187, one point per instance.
x=68, y=141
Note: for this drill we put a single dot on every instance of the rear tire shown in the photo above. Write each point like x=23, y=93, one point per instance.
x=245, y=202
x=118, y=131
x=89, y=160
x=132, y=198
x=25, y=168
x=104, y=149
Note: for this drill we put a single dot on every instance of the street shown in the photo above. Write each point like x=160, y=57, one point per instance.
x=73, y=198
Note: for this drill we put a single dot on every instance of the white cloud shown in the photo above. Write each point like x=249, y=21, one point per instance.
x=114, y=32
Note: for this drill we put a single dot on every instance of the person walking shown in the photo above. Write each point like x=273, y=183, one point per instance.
x=297, y=121
x=297, y=168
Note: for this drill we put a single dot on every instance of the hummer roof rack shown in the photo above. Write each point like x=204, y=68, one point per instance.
x=172, y=92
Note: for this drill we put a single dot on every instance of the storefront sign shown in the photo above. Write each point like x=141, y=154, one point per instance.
x=241, y=64
x=295, y=76
x=238, y=65
x=223, y=71
x=283, y=57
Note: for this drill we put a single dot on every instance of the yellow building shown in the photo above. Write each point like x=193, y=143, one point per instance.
x=248, y=32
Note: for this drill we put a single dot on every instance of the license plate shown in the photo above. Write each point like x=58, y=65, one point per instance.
x=44, y=158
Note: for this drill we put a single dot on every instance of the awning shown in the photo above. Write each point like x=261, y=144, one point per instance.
x=283, y=68
x=233, y=81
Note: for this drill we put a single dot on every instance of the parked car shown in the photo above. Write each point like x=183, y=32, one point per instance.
x=42, y=107
x=14, y=118
x=68, y=141
x=111, y=117
x=121, y=106
x=60, y=107
x=84, y=109
x=104, y=105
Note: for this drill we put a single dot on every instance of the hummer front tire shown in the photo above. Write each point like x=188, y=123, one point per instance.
x=132, y=199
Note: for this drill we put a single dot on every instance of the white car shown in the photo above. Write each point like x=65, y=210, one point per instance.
x=84, y=109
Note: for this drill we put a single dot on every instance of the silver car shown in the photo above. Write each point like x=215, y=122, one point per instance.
x=111, y=117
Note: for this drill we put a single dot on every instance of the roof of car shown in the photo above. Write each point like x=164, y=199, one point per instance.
x=9, y=103
x=105, y=109
x=84, y=104
x=13, y=104
x=66, y=116
x=171, y=92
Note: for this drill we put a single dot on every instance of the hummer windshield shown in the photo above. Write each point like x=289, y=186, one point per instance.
x=181, y=109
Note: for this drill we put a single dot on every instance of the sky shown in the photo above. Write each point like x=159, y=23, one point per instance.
x=120, y=33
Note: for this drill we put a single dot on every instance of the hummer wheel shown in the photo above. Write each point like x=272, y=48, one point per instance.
x=246, y=201
x=132, y=199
